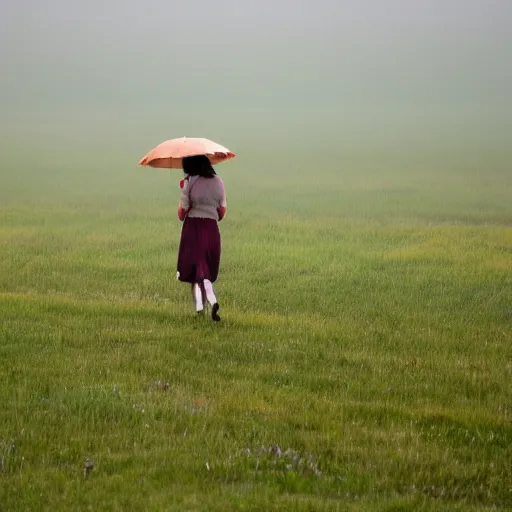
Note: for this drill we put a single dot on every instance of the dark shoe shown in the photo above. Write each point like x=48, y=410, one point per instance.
x=215, y=309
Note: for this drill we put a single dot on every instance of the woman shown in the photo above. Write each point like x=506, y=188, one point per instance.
x=201, y=206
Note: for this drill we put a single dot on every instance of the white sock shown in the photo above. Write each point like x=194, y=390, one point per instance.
x=198, y=296
x=208, y=288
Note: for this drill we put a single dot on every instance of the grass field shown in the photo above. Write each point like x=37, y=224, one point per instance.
x=363, y=360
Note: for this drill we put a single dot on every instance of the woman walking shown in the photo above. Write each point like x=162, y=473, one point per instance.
x=201, y=206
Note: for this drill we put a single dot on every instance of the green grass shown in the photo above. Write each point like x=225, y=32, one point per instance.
x=363, y=361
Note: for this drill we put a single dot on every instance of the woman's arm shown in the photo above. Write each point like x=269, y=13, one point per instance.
x=222, y=208
x=184, y=203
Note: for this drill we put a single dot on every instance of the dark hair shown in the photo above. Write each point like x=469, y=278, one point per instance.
x=198, y=166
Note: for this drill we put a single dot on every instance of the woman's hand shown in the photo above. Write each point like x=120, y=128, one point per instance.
x=221, y=211
x=182, y=212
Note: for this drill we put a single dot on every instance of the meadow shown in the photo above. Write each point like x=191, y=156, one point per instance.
x=363, y=360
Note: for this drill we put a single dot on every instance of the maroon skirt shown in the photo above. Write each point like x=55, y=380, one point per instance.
x=199, y=252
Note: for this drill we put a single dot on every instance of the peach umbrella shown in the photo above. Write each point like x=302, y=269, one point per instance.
x=168, y=154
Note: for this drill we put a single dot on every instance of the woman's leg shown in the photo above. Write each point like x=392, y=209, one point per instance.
x=212, y=299
x=197, y=294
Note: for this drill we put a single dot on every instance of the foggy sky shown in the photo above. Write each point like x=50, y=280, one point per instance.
x=153, y=59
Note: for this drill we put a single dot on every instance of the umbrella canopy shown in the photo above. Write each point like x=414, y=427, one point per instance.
x=168, y=154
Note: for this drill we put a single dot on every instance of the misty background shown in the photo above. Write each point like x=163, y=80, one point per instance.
x=104, y=82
